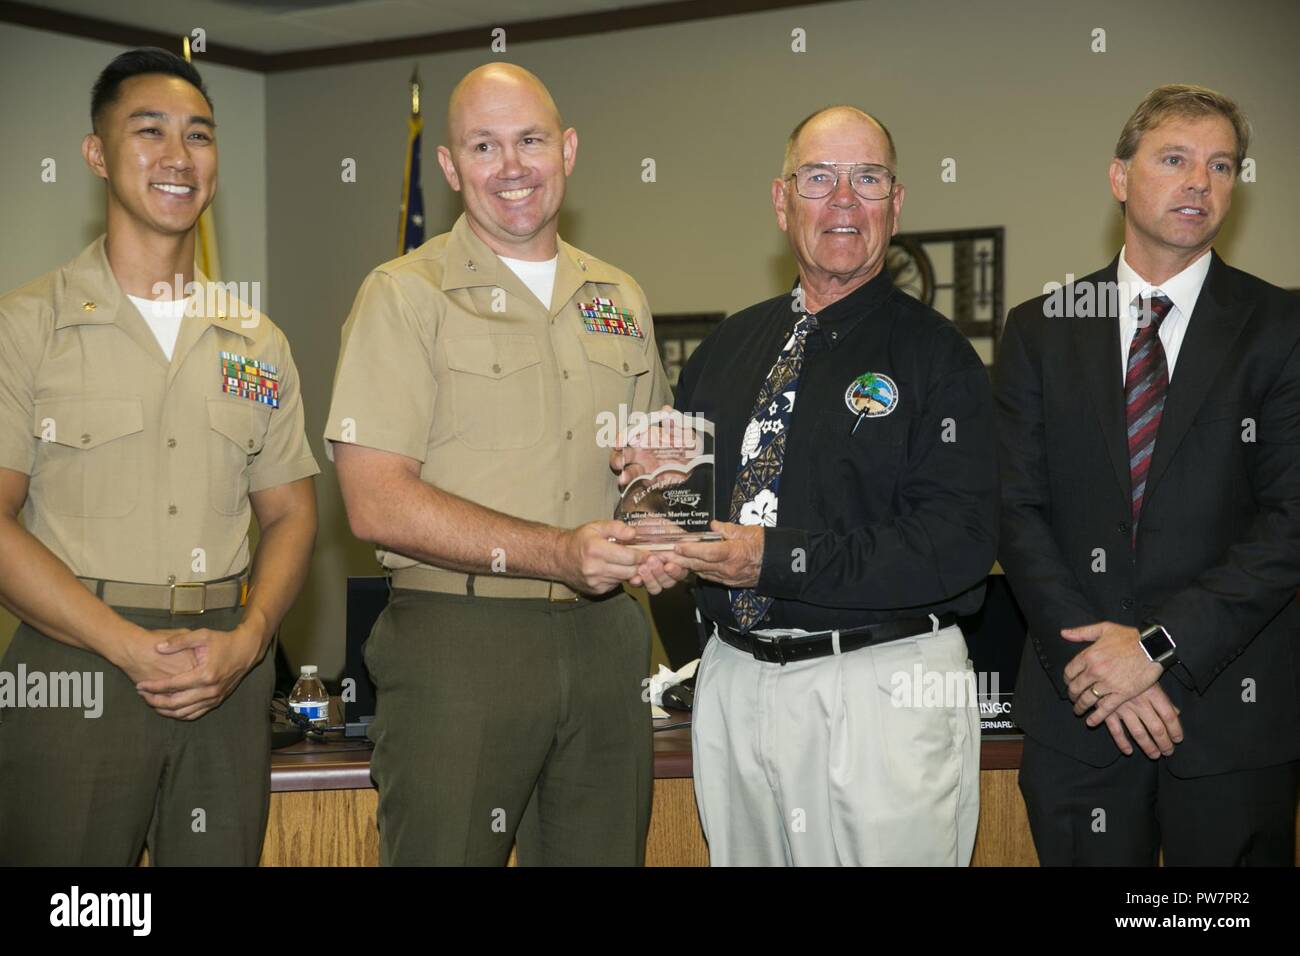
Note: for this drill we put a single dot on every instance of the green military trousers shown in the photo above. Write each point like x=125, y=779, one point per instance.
x=82, y=790
x=511, y=718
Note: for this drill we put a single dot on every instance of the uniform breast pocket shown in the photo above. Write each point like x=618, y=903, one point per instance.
x=88, y=460
x=496, y=390
x=615, y=362
x=236, y=432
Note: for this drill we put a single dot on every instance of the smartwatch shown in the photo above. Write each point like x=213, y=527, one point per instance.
x=1158, y=645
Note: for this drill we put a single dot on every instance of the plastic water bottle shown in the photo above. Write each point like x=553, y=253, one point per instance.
x=309, y=698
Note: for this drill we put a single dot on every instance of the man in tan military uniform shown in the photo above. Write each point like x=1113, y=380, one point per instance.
x=135, y=473
x=465, y=423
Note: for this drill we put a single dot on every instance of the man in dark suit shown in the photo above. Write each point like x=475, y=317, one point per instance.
x=1149, y=424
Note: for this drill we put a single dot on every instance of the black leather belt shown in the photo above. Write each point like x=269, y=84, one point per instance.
x=786, y=649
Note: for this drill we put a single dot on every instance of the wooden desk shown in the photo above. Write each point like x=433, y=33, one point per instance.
x=323, y=808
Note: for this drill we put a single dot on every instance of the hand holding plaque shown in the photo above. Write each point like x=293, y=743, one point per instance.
x=670, y=499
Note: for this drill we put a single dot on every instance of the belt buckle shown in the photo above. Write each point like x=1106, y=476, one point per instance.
x=773, y=645
x=202, y=604
x=550, y=595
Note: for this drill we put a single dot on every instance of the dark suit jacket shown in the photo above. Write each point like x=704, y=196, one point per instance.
x=1217, y=560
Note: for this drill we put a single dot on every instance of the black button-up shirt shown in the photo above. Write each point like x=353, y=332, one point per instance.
x=895, y=519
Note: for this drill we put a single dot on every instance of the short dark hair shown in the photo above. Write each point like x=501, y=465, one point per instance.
x=139, y=62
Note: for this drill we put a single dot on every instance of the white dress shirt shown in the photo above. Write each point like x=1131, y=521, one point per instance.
x=1182, y=290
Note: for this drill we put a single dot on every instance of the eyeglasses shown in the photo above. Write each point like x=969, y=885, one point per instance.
x=819, y=180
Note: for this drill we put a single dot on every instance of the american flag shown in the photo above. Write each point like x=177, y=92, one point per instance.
x=410, y=233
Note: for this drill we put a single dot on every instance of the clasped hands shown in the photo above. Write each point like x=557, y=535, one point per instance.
x=734, y=561
x=1119, y=684
x=183, y=673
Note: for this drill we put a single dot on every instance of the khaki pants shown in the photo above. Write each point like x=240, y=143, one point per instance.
x=813, y=764
x=500, y=718
x=92, y=791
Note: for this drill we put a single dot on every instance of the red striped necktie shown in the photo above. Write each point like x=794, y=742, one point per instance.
x=1145, y=385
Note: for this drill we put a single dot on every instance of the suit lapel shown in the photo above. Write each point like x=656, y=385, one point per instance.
x=1214, y=326
x=1097, y=340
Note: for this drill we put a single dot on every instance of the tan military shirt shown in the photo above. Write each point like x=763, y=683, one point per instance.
x=141, y=468
x=449, y=359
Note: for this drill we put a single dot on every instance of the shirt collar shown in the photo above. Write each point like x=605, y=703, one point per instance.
x=93, y=297
x=1182, y=289
x=469, y=263
x=843, y=314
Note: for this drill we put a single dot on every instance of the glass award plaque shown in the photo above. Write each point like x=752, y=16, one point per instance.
x=671, y=499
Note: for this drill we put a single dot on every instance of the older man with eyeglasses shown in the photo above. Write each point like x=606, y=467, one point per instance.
x=835, y=716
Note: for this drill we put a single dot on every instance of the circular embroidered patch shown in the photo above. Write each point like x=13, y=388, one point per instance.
x=871, y=394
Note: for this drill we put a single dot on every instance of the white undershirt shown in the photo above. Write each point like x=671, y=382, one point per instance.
x=538, y=276
x=1182, y=290
x=164, y=319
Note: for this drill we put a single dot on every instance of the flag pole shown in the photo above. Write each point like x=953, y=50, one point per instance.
x=414, y=125
x=205, y=248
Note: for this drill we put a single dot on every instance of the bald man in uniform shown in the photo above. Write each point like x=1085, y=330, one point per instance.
x=475, y=376
x=143, y=416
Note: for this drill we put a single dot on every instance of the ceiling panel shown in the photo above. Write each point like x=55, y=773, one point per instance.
x=385, y=19
x=276, y=26
x=277, y=35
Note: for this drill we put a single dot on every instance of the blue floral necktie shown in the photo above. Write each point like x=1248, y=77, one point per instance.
x=762, y=452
